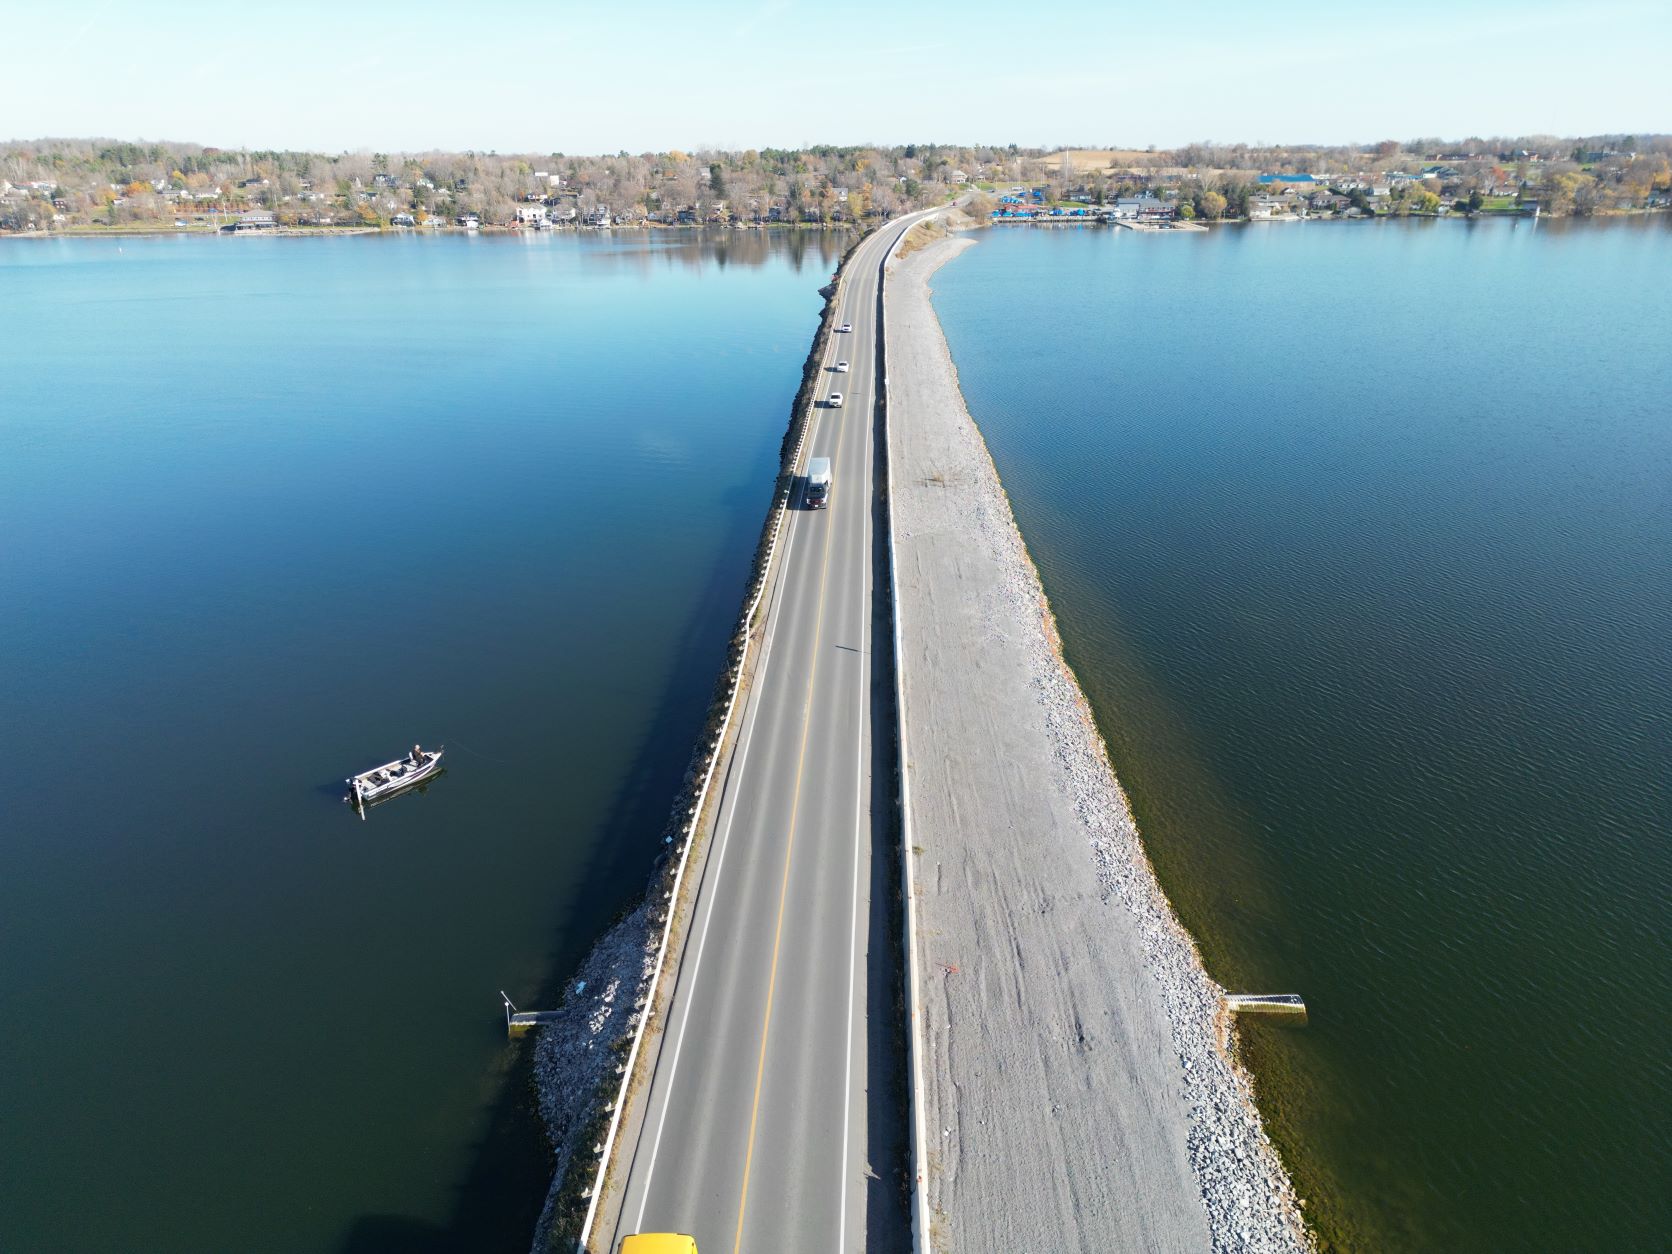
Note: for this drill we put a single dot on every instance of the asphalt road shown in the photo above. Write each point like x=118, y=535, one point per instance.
x=773, y=1119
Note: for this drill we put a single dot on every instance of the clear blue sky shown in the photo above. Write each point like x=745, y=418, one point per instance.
x=598, y=77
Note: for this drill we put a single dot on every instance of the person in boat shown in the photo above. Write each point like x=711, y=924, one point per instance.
x=417, y=756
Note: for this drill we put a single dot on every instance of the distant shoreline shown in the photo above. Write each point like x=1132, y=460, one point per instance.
x=303, y=232
x=1201, y=224
x=299, y=232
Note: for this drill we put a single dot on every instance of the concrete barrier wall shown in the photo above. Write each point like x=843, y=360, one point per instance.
x=920, y=1234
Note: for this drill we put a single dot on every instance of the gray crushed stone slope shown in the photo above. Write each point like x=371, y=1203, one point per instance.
x=573, y=1054
x=1080, y=1094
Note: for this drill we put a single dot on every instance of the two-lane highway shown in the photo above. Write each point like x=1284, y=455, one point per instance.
x=755, y=1134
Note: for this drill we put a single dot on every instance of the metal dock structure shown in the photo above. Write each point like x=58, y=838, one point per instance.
x=1285, y=1005
x=519, y=1021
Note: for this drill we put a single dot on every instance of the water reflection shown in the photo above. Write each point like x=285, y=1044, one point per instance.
x=213, y=447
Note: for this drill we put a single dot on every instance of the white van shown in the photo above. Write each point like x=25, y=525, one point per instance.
x=817, y=495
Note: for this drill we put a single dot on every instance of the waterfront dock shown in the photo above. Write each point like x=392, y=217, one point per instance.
x=520, y=1022
x=525, y=1020
x=1281, y=1005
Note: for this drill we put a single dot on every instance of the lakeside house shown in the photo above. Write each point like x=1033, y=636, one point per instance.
x=533, y=215
x=1145, y=208
x=256, y=220
x=1271, y=209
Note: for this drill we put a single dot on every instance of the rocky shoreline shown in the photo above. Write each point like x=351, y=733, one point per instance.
x=579, y=1051
x=991, y=1051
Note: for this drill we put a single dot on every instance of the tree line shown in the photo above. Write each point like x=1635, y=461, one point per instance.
x=72, y=181
x=56, y=183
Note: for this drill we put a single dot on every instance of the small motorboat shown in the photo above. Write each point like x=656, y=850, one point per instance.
x=385, y=781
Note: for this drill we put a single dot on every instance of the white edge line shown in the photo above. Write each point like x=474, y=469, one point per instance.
x=745, y=741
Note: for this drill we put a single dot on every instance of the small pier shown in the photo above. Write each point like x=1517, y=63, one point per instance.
x=1282, y=1005
x=518, y=1022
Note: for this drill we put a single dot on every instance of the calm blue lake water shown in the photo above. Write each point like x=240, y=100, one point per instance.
x=1359, y=537
x=271, y=511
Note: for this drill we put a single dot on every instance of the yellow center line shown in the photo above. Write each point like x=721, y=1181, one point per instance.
x=784, y=891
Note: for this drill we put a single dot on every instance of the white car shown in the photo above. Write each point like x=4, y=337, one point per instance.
x=846, y=329
x=841, y=367
x=835, y=400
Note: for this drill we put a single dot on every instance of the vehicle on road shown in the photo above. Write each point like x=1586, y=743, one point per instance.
x=845, y=329
x=834, y=400
x=659, y=1243
x=841, y=367
x=817, y=495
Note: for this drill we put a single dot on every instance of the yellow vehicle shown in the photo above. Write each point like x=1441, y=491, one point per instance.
x=659, y=1243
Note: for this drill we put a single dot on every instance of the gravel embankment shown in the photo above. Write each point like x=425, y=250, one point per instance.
x=1082, y=1088
x=575, y=1054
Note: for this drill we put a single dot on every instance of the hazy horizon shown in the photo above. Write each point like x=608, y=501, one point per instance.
x=1047, y=148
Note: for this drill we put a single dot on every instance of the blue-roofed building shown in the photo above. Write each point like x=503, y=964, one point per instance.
x=1287, y=179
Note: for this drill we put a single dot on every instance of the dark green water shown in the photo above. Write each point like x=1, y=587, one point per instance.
x=270, y=511
x=1360, y=536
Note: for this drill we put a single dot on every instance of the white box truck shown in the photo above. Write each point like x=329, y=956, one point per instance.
x=818, y=483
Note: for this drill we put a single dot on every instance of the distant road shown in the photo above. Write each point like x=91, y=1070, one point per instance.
x=773, y=1122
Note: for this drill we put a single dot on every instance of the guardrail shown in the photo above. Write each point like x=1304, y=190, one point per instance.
x=763, y=582
x=694, y=817
x=687, y=840
x=920, y=1234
